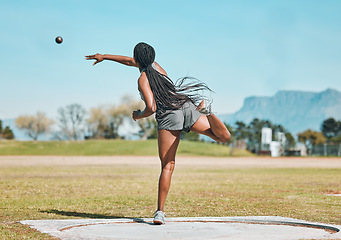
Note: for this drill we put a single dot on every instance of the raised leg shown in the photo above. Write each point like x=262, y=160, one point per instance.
x=212, y=126
x=168, y=142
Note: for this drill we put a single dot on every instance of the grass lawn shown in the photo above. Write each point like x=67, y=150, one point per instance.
x=111, y=191
x=112, y=147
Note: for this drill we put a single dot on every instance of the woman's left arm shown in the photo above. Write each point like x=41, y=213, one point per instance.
x=148, y=97
x=129, y=61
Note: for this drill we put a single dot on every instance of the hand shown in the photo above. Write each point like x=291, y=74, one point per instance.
x=97, y=56
x=136, y=114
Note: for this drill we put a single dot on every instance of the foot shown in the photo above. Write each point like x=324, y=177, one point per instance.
x=206, y=110
x=159, y=217
x=201, y=105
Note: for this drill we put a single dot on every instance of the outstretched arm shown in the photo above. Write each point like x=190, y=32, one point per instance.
x=129, y=61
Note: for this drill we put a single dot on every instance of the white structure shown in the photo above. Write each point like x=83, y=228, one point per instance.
x=275, y=148
x=302, y=148
x=280, y=137
x=266, y=135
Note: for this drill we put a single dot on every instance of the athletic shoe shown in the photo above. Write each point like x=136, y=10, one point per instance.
x=203, y=109
x=207, y=110
x=201, y=105
x=159, y=217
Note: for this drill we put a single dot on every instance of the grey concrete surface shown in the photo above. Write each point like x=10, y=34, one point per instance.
x=239, y=228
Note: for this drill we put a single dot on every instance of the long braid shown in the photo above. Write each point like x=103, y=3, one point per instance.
x=171, y=95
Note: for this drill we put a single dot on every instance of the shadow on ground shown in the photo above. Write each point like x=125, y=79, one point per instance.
x=93, y=216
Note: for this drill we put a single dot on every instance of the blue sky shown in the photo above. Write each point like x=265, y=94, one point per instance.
x=239, y=48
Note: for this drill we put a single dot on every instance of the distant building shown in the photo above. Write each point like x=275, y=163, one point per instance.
x=275, y=148
x=301, y=148
x=280, y=137
x=269, y=147
x=266, y=135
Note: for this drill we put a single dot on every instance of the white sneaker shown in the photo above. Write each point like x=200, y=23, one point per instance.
x=159, y=217
x=206, y=110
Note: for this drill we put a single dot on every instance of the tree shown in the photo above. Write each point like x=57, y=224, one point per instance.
x=253, y=132
x=241, y=131
x=7, y=133
x=190, y=136
x=34, y=125
x=116, y=115
x=106, y=121
x=71, y=121
x=331, y=128
x=255, y=129
x=153, y=134
x=336, y=140
x=290, y=140
x=98, y=122
x=278, y=128
x=147, y=125
x=311, y=137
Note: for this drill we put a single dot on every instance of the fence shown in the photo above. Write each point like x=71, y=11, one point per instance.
x=310, y=150
x=325, y=150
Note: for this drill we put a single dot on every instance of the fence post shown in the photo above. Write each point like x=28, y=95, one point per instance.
x=339, y=153
x=325, y=149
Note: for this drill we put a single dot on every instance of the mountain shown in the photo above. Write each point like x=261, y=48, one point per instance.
x=296, y=111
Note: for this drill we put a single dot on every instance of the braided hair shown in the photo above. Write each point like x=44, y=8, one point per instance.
x=170, y=95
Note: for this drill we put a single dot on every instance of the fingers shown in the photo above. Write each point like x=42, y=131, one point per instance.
x=89, y=57
x=96, y=57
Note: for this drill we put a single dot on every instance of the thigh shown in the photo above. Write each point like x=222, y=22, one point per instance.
x=191, y=116
x=168, y=141
x=202, y=126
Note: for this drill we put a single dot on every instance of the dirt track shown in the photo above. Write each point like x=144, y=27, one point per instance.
x=235, y=162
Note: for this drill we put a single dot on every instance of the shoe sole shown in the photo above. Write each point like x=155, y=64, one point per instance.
x=156, y=222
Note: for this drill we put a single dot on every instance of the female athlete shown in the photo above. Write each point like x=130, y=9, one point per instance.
x=178, y=106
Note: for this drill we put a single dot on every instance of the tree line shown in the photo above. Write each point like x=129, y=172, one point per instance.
x=103, y=122
x=75, y=123
x=330, y=133
x=251, y=134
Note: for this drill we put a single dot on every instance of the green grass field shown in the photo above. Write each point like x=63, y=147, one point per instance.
x=111, y=191
x=127, y=190
x=112, y=147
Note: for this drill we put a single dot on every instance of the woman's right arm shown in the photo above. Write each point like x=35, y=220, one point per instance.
x=129, y=61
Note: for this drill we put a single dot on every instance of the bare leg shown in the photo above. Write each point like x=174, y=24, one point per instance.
x=168, y=142
x=212, y=126
x=218, y=128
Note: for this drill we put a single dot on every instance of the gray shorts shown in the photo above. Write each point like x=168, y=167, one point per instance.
x=179, y=119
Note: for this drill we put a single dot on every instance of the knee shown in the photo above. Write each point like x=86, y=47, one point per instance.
x=168, y=166
x=225, y=137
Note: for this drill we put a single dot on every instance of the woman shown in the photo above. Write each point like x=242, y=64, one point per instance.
x=175, y=111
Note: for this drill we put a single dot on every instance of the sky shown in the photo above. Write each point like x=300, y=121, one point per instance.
x=239, y=48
